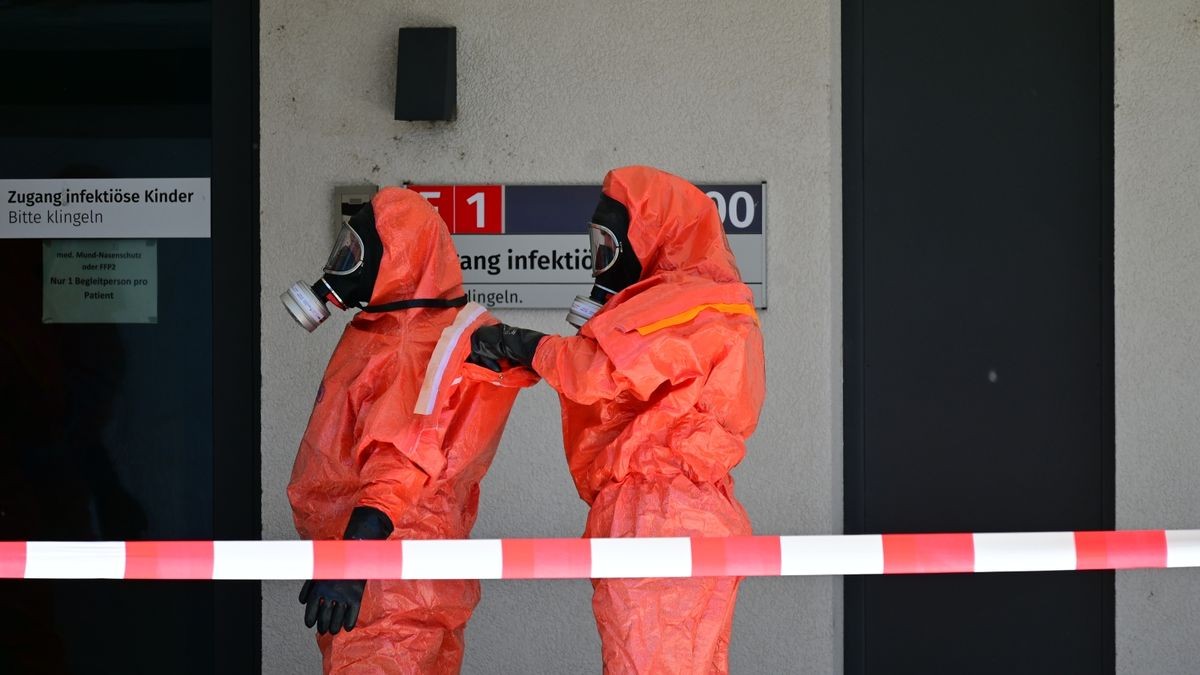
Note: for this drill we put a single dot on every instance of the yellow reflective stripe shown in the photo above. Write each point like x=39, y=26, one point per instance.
x=684, y=317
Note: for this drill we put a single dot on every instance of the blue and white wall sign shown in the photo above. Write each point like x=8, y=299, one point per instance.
x=526, y=246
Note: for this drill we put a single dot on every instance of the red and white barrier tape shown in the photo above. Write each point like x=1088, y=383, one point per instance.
x=602, y=558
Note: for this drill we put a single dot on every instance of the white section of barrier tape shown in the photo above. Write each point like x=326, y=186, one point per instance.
x=1183, y=548
x=75, y=560
x=831, y=554
x=641, y=557
x=1017, y=551
x=262, y=560
x=452, y=559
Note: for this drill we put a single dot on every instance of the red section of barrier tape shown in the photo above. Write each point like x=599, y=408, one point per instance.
x=12, y=559
x=736, y=556
x=168, y=560
x=1123, y=550
x=928, y=553
x=546, y=558
x=357, y=559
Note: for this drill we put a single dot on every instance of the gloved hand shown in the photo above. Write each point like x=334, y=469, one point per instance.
x=334, y=604
x=489, y=344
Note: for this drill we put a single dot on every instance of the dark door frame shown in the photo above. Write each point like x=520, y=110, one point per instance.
x=237, y=483
x=854, y=339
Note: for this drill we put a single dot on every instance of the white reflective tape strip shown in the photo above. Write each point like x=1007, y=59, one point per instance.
x=262, y=560
x=436, y=368
x=824, y=554
x=75, y=560
x=641, y=557
x=1183, y=548
x=452, y=559
x=1024, y=551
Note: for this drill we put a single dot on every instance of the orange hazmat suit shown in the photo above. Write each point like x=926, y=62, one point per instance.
x=404, y=425
x=659, y=391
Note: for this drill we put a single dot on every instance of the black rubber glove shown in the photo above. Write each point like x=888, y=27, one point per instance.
x=489, y=344
x=333, y=605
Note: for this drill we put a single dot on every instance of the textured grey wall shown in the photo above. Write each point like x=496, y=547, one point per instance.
x=561, y=92
x=1158, y=320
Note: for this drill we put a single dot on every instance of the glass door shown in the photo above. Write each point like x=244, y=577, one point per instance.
x=131, y=401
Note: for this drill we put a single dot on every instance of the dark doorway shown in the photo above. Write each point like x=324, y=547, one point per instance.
x=978, y=321
x=128, y=430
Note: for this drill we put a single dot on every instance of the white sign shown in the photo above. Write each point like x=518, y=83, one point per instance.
x=108, y=281
x=539, y=271
x=77, y=208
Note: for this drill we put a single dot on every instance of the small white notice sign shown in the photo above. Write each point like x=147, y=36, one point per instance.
x=79, y=208
x=100, y=281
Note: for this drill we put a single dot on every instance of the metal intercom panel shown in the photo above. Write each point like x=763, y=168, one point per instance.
x=348, y=199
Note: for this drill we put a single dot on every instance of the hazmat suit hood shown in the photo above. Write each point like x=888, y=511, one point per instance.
x=674, y=228
x=419, y=259
x=669, y=227
x=676, y=234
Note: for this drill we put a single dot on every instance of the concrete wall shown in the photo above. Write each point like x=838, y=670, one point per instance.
x=560, y=92
x=1158, y=320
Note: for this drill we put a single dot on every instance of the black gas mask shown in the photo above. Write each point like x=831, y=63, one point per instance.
x=349, y=277
x=615, y=266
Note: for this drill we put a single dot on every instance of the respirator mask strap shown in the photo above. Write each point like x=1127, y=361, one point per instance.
x=417, y=303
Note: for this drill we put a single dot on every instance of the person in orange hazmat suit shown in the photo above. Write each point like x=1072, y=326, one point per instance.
x=659, y=391
x=402, y=432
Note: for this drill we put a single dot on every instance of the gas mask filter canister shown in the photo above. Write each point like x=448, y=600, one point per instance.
x=585, y=307
x=581, y=310
x=305, y=306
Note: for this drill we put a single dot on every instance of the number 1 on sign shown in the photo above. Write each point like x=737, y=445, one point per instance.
x=477, y=200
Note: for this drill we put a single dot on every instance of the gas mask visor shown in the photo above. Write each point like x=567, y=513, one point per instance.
x=614, y=265
x=347, y=254
x=306, y=303
x=606, y=248
x=610, y=270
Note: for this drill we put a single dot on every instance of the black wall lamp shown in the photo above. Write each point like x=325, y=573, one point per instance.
x=427, y=74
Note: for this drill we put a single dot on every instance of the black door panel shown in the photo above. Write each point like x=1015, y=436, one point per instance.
x=978, y=267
